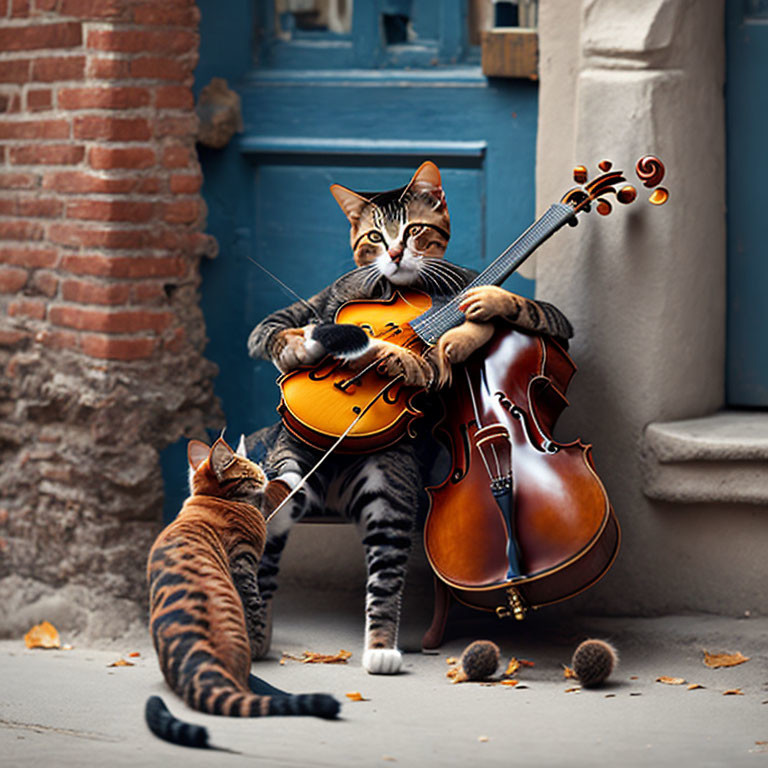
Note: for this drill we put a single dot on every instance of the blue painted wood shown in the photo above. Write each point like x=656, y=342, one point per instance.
x=310, y=145
x=747, y=169
x=439, y=28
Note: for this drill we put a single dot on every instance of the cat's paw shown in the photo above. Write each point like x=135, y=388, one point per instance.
x=456, y=345
x=398, y=361
x=294, y=347
x=484, y=302
x=382, y=661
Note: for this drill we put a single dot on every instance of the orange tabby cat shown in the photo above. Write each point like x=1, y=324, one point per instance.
x=203, y=594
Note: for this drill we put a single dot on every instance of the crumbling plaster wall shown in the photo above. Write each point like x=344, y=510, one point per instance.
x=101, y=335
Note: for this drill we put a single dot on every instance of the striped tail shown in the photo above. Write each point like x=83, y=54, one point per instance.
x=231, y=702
x=317, y=704
x=169, y=728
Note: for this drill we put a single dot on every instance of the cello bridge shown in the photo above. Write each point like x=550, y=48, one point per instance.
x=515, y=605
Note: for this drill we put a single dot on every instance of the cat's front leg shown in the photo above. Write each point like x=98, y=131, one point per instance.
x=258, y=615
x=456, y=345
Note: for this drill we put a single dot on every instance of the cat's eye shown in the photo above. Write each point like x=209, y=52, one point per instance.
x=375, y=237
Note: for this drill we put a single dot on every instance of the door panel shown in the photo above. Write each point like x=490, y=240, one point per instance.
x=747, y=169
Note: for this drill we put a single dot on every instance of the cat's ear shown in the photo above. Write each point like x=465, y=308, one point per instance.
x=426, y=173
x=427, y=179
x=221, y=457
x=351, y=203
x=197, y=453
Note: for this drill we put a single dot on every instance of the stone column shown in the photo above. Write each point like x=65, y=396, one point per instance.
x=644, y=288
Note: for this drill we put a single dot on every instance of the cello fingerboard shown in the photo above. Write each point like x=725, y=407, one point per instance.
x=431, y=325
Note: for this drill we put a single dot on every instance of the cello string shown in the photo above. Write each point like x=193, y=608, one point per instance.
x=477, y=421
x=322, y=459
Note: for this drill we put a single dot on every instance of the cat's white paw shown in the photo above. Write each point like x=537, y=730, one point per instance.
x=382, y=661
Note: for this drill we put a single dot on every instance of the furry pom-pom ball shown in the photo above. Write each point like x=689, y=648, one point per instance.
x=593, y=661
x=480, y=660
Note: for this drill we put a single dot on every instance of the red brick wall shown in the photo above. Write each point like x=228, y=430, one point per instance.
x=101, y=337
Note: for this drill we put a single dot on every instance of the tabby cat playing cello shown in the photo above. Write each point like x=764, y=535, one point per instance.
x=398, y=240
x=203, y=599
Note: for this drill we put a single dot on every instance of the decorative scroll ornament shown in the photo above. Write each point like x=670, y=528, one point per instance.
x=649, y=169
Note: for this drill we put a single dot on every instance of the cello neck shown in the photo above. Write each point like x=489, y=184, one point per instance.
x=433, y=323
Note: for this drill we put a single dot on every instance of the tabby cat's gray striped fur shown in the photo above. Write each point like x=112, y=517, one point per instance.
x=398, y=240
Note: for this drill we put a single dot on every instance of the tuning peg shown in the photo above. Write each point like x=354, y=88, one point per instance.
x=626, y=195
x=605, y=165
x=603, y=207
x=580, y=174
x=659, y=196
x=650, y=170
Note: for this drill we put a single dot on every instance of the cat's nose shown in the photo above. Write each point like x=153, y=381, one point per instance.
x=396, y=253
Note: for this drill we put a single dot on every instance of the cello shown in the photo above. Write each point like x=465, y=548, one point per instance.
x=521, y=520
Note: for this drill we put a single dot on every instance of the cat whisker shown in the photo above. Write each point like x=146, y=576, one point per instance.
x=427, y=276
x=449, y=281
x=446, y=269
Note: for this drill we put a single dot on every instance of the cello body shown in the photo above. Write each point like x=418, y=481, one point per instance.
x=521, y=520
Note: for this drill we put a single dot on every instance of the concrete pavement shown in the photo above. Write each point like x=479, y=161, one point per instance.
x=69, y=708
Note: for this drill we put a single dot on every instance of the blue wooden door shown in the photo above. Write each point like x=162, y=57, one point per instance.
x=361, y=101
x=747, y=163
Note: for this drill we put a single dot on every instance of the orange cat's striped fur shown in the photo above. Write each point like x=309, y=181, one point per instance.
x=202, y=593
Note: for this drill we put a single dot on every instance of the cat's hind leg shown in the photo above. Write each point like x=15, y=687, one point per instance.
x=287, y=462
x=382, y=497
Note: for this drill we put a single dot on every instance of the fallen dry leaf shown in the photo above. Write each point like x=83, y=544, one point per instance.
x=670, y=680
x=526, y=663
x=482, y=738
x=451, y=660
x=717, y=660
x=634, y=677
x=68, y=647
x=311, y=657
x=694, y=686
x=733, y=692
x=572, y=690
x=512, y=667
x=569, y=674
x=134, y=654
x=355, y=696
x=121, y=663
x=510, y=682
x=42, y=635
x=610, y=695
